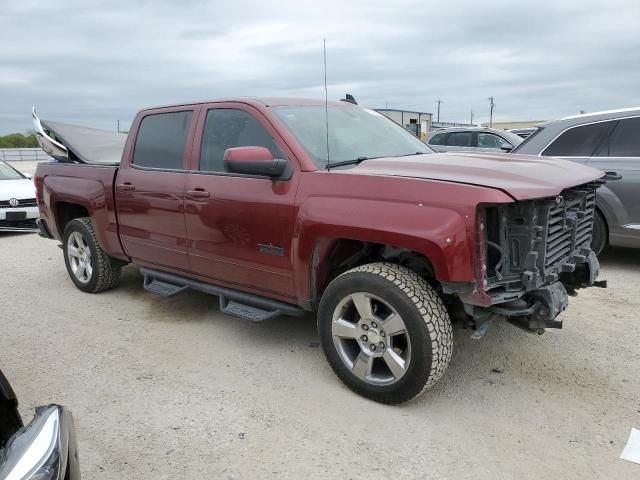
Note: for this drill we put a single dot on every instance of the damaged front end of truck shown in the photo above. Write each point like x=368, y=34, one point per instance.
x=531, y=256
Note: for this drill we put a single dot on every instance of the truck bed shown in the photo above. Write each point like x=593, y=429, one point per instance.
x=86, y=186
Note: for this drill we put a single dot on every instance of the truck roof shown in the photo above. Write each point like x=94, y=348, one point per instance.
x=262, y=101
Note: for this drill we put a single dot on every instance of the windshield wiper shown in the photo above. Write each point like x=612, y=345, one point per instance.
x=354, y=161
x=358, y=160
x=411, y=154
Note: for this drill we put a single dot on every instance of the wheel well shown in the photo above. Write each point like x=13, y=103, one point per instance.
x=332, y=257
x=65, y=212
x=606, y=224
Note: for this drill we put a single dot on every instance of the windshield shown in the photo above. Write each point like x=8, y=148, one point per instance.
x=8, y=173
x=512, y=137
x=526, y=140
x=354, y=133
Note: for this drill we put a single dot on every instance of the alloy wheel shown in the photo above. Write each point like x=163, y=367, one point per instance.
x=371, y=338
x=79, y=255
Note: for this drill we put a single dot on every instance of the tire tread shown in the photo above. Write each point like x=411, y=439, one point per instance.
x=431, y=309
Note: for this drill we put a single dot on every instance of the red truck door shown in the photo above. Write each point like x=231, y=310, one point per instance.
x=239, y=227
x=150, y=188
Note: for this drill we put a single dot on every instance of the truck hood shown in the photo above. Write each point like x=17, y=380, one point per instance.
x=520, y=176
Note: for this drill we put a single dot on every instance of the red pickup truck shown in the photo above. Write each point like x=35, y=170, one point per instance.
x=287, y=206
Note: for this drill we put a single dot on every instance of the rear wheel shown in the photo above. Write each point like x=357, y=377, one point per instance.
x=599, y=239
x=89, y=267
x=385, y=332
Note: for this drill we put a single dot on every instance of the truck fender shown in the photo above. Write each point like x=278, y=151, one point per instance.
x=93, y=197
x=442, y=235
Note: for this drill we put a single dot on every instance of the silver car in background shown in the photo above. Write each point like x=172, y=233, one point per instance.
x=472, y=139
x=608, y=141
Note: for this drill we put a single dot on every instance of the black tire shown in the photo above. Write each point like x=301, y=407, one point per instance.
x=423, y=313
x=105, y=272
x=600, y=233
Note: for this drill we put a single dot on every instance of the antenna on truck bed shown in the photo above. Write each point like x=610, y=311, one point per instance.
x=326, y=97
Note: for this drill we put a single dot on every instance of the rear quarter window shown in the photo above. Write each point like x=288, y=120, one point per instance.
x=437, y=139
x=625, y=139
x=161, y=140
x=579, y=141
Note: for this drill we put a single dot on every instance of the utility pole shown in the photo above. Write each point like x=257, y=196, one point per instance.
x=491, y=107
x=471, y=117
x=118, y=126
x=438, y=118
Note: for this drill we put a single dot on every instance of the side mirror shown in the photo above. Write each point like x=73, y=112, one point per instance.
x=507, y=147
x=254, y=161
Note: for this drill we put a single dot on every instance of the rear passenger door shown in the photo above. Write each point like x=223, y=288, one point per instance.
x=619, y=156
x=150, y=189
x=239, y=227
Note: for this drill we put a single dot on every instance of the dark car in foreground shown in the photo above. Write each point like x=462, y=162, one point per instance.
x=608, y=141
x=472, y=139
x=45, y=449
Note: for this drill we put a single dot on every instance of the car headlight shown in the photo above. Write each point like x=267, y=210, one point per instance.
x=40, y=451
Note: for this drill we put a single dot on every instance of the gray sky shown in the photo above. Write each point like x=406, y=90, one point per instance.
x=92, y=63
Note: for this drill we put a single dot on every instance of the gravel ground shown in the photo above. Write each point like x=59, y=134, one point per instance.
x=170, y=388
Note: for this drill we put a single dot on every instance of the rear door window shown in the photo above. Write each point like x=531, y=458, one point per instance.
x=625, y=140
x=161, y=140
x=579, y=141
x=459, y=139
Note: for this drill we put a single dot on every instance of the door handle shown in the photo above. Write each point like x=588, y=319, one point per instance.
x=198, y=193
x=612, y=176
x=126, y=187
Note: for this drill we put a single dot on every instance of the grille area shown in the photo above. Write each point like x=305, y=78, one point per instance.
x=530, y=243
x=569, y=225
x=26, y=202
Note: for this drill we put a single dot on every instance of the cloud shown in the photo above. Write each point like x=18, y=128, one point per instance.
x=94, y=63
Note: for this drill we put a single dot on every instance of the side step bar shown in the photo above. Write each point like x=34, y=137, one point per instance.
x=232, y=302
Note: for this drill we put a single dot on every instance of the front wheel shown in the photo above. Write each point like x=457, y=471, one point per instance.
x=89, y=267
x=385, y=332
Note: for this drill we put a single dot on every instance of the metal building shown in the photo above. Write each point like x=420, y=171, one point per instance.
x=418, y=123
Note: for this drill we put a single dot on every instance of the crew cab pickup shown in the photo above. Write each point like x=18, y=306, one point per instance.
x=287, y=206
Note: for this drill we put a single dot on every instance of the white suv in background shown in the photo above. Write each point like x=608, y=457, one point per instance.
x=18, y=207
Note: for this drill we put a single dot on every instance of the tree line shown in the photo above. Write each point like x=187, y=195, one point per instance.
x=18, y=140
